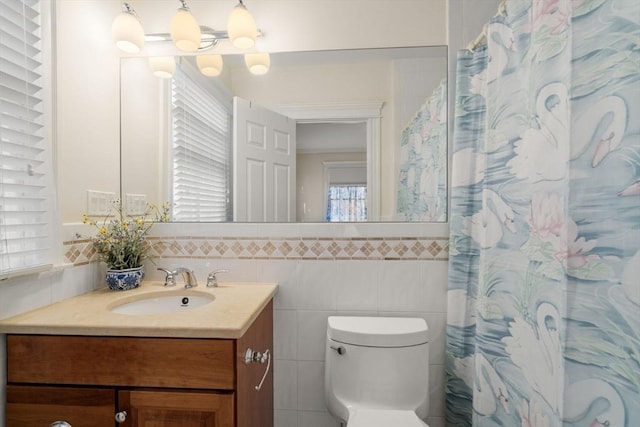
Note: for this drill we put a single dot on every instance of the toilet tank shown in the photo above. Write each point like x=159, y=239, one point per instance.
x=377, y=363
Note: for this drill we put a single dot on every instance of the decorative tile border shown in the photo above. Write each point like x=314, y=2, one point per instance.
x=81, y=252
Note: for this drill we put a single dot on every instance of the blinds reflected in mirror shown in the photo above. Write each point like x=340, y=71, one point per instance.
x=201, y=136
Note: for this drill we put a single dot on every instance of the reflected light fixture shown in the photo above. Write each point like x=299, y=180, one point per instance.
x=185, y=31
x=162, y=66
x=210, y=65
x=257, y=63
x=127, y=31
x=242, y=27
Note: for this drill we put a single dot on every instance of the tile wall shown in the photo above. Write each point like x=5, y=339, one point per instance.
x=322, y=270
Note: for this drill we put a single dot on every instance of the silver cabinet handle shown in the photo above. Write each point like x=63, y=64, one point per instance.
x=121, y=416
x=251, y=356
x=59, y=424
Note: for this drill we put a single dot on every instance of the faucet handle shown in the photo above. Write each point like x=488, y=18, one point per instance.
x=170, y=279
x=212, y=280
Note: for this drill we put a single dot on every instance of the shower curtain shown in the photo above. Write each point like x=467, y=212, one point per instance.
x=543, y=324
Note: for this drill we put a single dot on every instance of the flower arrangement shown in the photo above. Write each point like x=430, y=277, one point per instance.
x=121, y=240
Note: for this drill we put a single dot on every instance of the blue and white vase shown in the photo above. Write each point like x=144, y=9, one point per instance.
x=122, y=280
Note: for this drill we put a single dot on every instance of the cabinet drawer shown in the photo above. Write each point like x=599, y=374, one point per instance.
x=121, y=361
x=40, y=406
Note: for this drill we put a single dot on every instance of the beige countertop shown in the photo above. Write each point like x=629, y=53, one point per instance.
x=233, y=310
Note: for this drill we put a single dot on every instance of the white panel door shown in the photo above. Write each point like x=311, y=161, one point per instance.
x=264, y=174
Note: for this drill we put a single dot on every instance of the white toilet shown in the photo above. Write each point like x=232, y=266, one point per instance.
x=377, y=371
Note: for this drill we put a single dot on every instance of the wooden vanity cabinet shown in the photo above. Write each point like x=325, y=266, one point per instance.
x=86, y=380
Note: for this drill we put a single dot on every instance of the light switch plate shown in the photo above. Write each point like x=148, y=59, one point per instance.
x=100, y=203
x=135, y=204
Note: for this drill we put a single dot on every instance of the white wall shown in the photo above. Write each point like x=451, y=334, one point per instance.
x=145, y=123
x=88, y=117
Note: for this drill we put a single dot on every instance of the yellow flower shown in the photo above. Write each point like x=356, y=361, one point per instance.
x=120, y=241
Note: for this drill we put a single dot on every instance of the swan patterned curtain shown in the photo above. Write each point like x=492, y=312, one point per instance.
x=543, y=324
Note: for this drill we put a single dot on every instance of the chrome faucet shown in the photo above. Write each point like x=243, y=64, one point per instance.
x=188, y=276
x=212, y=280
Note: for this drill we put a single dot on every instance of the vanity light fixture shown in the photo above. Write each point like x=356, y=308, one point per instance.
x=257, y=63
x=189, y=37
x=162, y=66
x=185, y=31
x=242, y=27
x=127, y=30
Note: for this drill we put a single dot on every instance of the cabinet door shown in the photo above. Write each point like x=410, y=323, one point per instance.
x=176, y=409
x=32, y=406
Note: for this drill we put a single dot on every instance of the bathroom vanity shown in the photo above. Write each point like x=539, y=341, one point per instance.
x=79, y=361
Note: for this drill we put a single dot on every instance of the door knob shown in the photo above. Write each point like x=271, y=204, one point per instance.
x=59, y=424
x=121, y=417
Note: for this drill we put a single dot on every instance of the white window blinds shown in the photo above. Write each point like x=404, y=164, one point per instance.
x=201, y=152
x=25, y=138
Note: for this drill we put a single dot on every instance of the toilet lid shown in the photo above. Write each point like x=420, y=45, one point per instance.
x=383, y=418
x=378, y=331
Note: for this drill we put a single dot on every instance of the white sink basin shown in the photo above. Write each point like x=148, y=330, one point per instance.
x=161, y=302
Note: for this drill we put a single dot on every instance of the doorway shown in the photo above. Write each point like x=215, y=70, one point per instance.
x=367, y=114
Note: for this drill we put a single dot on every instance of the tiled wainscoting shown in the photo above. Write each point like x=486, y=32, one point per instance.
x=393, y=275
x=282, y=248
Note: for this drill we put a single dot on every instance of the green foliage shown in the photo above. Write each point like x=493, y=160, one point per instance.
x=121, y=240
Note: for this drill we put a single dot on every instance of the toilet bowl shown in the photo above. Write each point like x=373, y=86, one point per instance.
x=377, y=371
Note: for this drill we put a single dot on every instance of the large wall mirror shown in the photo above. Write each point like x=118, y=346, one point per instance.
x=369, y=133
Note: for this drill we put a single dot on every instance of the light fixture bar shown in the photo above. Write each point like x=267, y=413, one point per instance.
x=129, y=9
x=208, y=34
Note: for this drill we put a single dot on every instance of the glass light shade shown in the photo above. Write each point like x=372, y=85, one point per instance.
x=127, y=32
x=241, y=27
x=162, y=66
x=210, y=65
x=257, y=63
x=185, y=31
